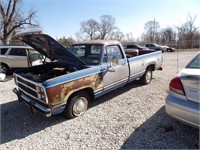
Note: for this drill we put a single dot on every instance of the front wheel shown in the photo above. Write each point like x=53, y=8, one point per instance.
x=147, y=77
x=77, y=105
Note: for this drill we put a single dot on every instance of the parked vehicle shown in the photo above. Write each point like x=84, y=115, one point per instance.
x=1, y=43
x=13, y=57
x=155, y=46
x=183, y=98
x=74, y=77
x=136, y=46
x=170, y=49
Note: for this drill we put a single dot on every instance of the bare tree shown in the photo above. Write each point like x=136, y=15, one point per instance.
x=188, y=31
x=92, y=29
x=89, y=29
x=167, y=35
x=151, y=28
x=130, y=38
x=106, y=26
x=116, y=35
x=12, y=18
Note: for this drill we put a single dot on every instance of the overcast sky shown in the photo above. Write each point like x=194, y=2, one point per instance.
x=60, y=18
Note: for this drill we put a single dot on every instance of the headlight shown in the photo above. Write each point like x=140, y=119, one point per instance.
x=41, y=93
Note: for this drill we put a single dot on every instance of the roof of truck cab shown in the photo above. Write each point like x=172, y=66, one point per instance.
x=101, y=42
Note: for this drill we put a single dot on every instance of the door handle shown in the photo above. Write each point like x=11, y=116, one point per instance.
x=103, y=69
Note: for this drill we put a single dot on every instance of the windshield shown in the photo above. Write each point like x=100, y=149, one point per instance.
x=156, y=44
x=195, y=63
x=89, y=53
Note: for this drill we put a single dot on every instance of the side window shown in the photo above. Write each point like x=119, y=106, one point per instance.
x=152, y=45
x=113, y=54
x=79, y=51
x=18, y=52
x=96, y=49
x=3, y=50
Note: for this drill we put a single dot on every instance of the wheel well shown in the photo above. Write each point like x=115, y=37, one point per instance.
x=88, y=90
x=152, y=66
x=9, y=69
x=5, y=65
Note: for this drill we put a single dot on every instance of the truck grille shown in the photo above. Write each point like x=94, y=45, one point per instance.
x=26, y=83
x=28, y=88
x=30, y=91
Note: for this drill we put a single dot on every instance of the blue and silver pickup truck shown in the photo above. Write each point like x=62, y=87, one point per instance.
x=69, y=79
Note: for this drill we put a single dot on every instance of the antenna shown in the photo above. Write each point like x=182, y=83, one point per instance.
x=177, y=55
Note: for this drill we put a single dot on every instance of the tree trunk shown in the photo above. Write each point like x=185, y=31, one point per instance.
x=7, y=39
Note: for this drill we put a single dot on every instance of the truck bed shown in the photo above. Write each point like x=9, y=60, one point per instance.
x=134, y=52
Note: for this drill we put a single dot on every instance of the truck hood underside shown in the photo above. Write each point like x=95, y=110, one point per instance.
x=50, y=48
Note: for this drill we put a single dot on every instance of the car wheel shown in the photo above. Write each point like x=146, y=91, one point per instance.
x=147, y=77
x=78, y=104
x=4, y=69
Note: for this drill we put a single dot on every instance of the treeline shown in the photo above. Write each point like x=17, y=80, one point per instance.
x=185, y=36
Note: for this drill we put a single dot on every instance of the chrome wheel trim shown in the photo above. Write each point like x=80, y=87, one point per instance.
x=80, y=106
x=148, y=76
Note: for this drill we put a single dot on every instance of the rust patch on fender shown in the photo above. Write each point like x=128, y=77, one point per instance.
x=58, y=93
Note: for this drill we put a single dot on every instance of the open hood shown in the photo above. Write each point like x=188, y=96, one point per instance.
x=50, y=48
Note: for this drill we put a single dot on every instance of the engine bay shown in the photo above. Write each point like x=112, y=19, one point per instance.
x=45, y=72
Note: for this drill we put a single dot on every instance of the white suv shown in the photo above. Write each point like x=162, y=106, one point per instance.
x=12, y=57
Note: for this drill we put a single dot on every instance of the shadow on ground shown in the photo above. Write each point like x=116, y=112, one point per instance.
x=163, y=132
x=18, y=122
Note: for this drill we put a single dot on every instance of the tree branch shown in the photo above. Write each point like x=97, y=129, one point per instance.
x=2, y=11
x=8, y=9
x=13, y=10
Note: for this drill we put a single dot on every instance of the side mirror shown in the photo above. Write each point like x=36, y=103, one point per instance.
x=110, y=67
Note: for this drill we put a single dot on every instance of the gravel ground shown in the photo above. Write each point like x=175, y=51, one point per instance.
x=132, y=117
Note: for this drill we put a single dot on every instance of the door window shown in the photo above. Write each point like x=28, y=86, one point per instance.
x=113, y=54
x=3, y=50
x=18, y=52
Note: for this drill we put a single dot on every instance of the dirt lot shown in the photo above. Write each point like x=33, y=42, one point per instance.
x=132, y=117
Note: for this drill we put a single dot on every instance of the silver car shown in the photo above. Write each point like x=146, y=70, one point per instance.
x=183, y=99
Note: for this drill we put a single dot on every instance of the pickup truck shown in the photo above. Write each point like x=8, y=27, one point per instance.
x=73, y=78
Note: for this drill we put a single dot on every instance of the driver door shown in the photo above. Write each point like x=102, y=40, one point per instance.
x=117, y=71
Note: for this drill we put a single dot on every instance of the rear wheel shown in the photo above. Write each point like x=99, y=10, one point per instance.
x=78, y=104
x=147, y=77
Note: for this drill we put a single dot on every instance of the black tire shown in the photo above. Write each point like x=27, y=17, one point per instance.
x=4, y=69
x=80, y=99
x=147, y=77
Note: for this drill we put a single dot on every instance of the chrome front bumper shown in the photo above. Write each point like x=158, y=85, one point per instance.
x=35, y=106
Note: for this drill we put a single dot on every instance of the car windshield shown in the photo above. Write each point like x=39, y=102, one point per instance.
x=195, y=63
x=156, y=44
x=88, y=53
